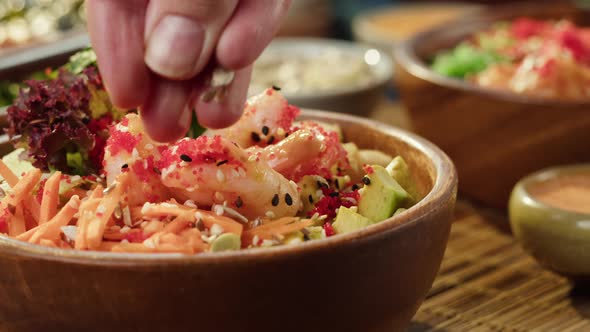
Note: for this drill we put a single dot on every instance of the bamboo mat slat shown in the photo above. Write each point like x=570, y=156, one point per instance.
x=487, y=283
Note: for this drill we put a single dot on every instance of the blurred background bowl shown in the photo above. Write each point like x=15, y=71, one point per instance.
x=386, y=26
x=328, y=74
x=494, y=137
x=558, y=239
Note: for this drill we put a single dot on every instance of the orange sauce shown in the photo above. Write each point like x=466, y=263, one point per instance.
x=568, y=192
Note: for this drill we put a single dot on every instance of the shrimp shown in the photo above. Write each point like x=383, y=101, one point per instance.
x=266, y=120
x=129, y=149
x=212, y=170
x=309, y=150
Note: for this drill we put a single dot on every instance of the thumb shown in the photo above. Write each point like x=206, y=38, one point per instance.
x=181, y=35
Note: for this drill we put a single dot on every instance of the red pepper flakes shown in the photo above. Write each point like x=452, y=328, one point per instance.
x=524, y=28
x=329, y=229
x=120, y=141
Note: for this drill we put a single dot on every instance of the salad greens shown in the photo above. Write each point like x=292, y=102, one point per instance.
x=464, y=60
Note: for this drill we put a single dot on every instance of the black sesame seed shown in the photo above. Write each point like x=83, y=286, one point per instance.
x=288, y=199
x=157, y=171
x=355, y=187
x=366, y=180
x=85, y=120
x=124, y=166
x=186, y=158
x=255, y=137
x=222, y=162
x=276, y=88
x=265, y=130
x=271, y=140
x=310, y=199
x=239, y=202
x=337, y=184
x=320, y=184
x=275, y=200
x=334, y=194
x=286, y=134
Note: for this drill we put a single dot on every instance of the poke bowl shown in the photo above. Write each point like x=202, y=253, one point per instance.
x=494, y=135
x=227, y=247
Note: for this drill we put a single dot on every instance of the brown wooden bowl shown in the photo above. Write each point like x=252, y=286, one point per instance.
x=494, y=137
x=370, y=280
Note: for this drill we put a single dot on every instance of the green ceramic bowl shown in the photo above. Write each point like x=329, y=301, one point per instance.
x=558, y=239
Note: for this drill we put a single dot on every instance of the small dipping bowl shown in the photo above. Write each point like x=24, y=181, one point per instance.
x=550, y=217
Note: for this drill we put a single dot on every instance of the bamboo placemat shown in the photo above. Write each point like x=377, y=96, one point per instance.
x=487, y=283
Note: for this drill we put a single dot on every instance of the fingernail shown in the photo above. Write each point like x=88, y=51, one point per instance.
x=174, y=47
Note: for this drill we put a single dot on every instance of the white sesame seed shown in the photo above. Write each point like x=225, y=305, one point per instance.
x=183, y=163
x=174, y=149
x=125, y=230
x=101, y=209
x=216, y=229
x=70, y=232
x=198, y=215
x=190, y=189
x=146, y=206
x=235, y=173
x=190, y=203
x=220, y=176
x=135, y=154
x=267, y=243
x=149, y=243
x=235, y=214
x=270, y=214
x=281, y=131
x=219, y=196
x=149, y=146
x=242, y=172
x=218, y=209
x=127, y=216
x=255, y=240
x=145, y=164
x=124, y=241
x=252, y=158
x=319, y=193
x=75, y=178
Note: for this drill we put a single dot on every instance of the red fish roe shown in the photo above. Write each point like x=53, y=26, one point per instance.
x=570, y=39
x=39, y=195
x=122, y=141
x=288, y=115
x=136, y=236
x=332, y=200
x=524, y=28
x=368, y=169
x=329, y=229
x=203, y=149
x=4, y=217
x=144, y=169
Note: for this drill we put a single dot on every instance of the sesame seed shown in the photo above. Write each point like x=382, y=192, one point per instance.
x=149, y=243
x=149, y=146
x=218, y=209
x=219, y=196
x=281, y=131
x=186, y=158
x=275, y=200
x=252, y=158
x=265, y=130
x=157, y=171
x=334, y=194
x=242, y=172
x=220, y=176
x=238, y=203
x=199, y=225
x=124, y=241
x=124, y=166
x=366, y=180
x=355, y=187
x=101, y=209
x=276, y=88
x=190, y=203
x=222, y=162
x=270, y=214
x=271, y=140
x=109, y=188
x=310, y=198
x=337, y=184
x=288, y=199
x=216, y=229
x=255, y=240
x=125, y=230
x=255, y=137
x=168, y=205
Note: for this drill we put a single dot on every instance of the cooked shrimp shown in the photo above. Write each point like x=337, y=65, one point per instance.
x=129, y=149
x=212, y=170
x=266, y=120
x=309, y=150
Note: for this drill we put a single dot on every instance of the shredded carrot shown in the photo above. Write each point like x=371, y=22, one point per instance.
x=50, y=198
x=17, y=223
x=179, y=223
x=24, y=187
x=104, y=211
x=51, y=229
x=229, y=225
x=7, y=174
x=85, y=214
x=194, y=240
x=160, y=210
x=269, y=233
x=34, y=208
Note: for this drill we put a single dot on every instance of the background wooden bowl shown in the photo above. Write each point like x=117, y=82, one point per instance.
x=371, y=280
x=493, y=137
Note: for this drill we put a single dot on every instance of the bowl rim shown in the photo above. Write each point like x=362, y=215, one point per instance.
x=528, y=199
x=444, y=189
x=383, y=70
x=405, y=55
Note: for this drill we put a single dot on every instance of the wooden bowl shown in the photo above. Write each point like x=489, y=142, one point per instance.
x=370, y=280
x=493, y=137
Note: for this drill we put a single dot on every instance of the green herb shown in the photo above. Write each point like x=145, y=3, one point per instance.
x=195, y=130
x=464, y=60
x=80, y=61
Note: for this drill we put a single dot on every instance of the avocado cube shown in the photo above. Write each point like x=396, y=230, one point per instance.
x=349, y=221
x=381, y=195
x=399, y=170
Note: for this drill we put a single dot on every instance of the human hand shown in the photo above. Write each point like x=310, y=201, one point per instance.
x=156, y=55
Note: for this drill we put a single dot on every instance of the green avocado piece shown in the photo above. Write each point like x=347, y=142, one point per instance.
x=349, y=221
x=399, y=170
x=310, y=187
x=381, y=195
x=294, y=238
x=316, y=232
x=226, y=242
